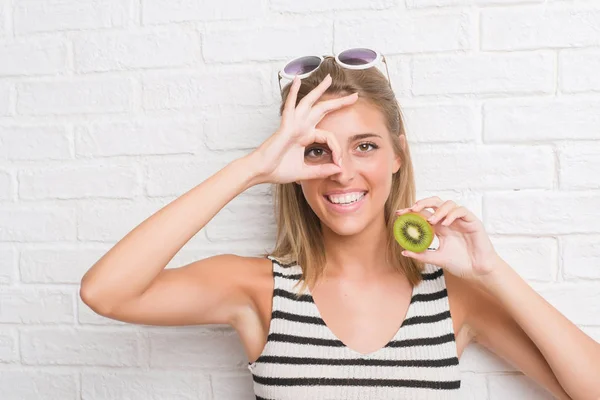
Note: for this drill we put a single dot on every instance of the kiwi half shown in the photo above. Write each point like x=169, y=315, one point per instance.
x=413, y=232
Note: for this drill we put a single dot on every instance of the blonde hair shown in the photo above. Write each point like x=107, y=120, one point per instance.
x=299, y=237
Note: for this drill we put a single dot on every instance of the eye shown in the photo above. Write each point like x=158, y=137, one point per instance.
x=368, y=144
x=326, y=149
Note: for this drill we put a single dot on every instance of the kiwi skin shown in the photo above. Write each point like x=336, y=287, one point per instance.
x=424, y=230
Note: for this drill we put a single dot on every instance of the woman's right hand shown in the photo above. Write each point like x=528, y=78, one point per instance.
x=282, y=156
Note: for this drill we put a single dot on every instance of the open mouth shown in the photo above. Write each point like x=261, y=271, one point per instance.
x=356, y=200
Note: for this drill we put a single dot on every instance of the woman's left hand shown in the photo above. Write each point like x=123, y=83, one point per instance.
x=465, y=249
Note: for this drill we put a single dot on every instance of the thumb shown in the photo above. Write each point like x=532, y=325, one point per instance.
x=425, y=256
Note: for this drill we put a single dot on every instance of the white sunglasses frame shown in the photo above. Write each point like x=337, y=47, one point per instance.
x=379, y=57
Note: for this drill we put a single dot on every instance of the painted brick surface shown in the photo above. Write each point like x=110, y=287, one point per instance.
x=110, y=109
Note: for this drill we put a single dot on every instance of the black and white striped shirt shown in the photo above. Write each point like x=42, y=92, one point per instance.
x=303, y=359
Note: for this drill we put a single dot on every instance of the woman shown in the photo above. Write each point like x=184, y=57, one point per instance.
x=338, y=309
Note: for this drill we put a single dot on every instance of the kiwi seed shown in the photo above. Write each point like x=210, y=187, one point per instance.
x=413, y=232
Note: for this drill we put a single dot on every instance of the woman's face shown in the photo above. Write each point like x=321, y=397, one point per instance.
x=367, y=165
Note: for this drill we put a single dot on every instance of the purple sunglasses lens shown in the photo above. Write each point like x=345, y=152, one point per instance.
x=357, y=56
x=302, y=65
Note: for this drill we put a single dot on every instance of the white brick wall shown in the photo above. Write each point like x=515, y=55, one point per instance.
x=110, y=109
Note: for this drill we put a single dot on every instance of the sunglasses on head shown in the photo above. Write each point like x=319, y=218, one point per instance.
x=355, y=58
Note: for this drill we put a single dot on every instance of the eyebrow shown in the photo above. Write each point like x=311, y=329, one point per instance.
x=362, y=136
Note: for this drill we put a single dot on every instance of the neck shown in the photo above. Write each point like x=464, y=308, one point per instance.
x=359, y=255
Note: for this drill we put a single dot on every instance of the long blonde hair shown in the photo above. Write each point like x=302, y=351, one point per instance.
x=299, y=237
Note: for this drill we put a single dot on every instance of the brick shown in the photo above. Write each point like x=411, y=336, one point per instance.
x=37, y=385
x=578, y=70
x=473, y=386
x=257, y=216
x=537, y=120
x=410, y=33
x=4, y=98
x=312, y=6
x=540, y=26
x=124, y=217
x=468, y=199
x=44, y=142
x=506, y=386
x=32, y=16
x=477, y=358
x=4, y=18
x=31, y=306
x=541, y=213
x=116, y=51
x=433, y=123
x=577, y=302
x=39, y=224
x=579, y=164
x=533, y=258
x=449, y=3
x=68, y=346
x=9, y=346
x=484, y=74
x=166, y=11
x=40, y=57
x=143, y=137
x=57, y=264
x=196, y=350
x=241, y=44
x=8, y=264
x=174, y=178
x=185, y=91
x=483, y=167
x=7, y=187
x=75, y=96
x=263, y=123
x=581, y=257
x=152, y=385
x=78, y=182
x=232, y=386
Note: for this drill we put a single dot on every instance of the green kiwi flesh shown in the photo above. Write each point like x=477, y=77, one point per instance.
x=413, y=232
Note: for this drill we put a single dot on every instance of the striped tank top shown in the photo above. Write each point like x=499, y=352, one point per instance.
x=303, y=359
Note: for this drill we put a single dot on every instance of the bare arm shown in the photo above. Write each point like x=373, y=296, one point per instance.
x=130, y=283
x=571, y=355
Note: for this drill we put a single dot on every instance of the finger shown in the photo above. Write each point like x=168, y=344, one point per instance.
x=321, y=171
x=323, y=136
x=442, y=211
x=460, y=212
x=322, y=108
x=290, y=103
x=424, y=213
x=427, y=257
x=308, y=100
x=430, y=202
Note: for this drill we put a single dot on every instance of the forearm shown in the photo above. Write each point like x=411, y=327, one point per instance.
x=573, y=356
x=128, y=268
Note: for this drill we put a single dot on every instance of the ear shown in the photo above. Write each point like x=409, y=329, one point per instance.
x=403, y=142
x=398, y=159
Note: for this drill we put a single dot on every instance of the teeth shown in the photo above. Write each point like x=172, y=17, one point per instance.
x=347, y=199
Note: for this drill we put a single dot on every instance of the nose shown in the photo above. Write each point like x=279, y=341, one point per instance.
x=347, y=171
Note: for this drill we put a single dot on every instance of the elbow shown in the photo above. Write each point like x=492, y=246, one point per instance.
x=90, y=297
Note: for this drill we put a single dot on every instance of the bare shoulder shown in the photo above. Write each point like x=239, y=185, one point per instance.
x=252, y=321
x=254, y=277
